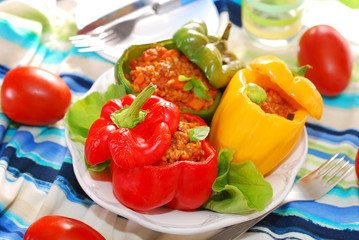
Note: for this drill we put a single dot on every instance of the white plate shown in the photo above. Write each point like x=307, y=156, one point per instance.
x=151, y=29
x=174, y=221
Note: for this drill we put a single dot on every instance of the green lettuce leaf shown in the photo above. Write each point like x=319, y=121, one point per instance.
x=239, y=188
x=98, y=167
x=84, y=112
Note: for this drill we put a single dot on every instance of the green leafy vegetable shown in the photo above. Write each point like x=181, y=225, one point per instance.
x=98, y=167
x=84, y=112
x=198, y=133
x=239, y=188
x=199, y=89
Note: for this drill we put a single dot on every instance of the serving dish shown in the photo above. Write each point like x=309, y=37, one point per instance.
x=150, y=29
x=175, y=221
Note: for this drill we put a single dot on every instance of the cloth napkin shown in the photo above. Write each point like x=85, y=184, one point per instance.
x=36, y=173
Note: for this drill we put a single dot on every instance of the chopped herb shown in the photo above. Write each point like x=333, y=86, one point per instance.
x=256, y=94
x=198, y=133
x=199, y=89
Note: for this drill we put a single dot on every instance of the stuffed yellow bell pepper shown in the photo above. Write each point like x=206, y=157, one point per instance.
x=264, y=131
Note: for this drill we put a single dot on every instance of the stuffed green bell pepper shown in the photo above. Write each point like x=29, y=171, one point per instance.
x=208, y=52
x=179, y=79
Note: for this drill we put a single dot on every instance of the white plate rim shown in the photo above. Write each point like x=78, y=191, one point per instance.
x=288, y=170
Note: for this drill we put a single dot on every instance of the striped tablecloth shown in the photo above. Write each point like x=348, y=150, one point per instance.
x=36, y=174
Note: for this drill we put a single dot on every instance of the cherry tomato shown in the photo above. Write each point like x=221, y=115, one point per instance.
x=328, y=53
x=34, y=96
x=60, y=228
x=357, y=163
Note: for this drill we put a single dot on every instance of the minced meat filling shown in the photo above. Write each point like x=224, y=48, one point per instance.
x=277, y=105
x=181, y=149
x=162, y=67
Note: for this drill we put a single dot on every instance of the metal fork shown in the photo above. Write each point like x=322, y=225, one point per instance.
x=113, y=33
x=310, y=187
x=106, y=35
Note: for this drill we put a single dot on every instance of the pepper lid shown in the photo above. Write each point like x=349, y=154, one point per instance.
x=301, y=89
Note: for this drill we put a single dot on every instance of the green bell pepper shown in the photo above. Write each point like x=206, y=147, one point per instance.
x=122, y=69
x=207, y=52
x=122, y=66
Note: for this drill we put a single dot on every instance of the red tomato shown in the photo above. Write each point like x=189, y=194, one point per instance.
x=34, y=96
x=61, y=228
x=328, y=53
x=357, y=164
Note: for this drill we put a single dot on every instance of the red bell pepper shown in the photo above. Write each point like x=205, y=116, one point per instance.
x=183, y=185
x=132, y=131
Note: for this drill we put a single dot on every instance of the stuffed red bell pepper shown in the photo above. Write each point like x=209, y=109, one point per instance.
x=181, y=178
x=132, y=131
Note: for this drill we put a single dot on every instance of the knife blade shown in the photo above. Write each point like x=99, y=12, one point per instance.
x=158, y=7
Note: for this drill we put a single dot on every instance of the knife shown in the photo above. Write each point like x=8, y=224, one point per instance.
x=112, y=16
x=159, y=7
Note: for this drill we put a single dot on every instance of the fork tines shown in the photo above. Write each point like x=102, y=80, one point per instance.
x=334, y=169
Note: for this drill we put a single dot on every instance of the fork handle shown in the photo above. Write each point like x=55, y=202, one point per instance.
x=238, y=230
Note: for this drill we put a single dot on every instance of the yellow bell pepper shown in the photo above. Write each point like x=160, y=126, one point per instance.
x=255, y=135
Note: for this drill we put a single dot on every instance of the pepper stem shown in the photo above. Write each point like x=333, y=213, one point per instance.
x=130, y=116
x=225, y=35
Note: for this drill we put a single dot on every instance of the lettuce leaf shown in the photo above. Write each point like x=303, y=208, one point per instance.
x=84, y=112
x=239, y=188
